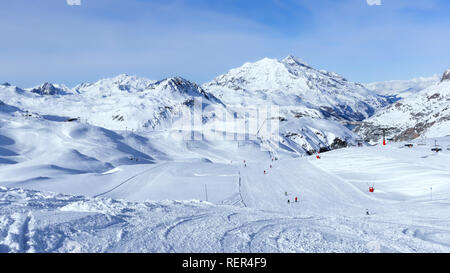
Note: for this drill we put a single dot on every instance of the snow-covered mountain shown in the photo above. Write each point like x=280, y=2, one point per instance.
x=116, y=84
x=134, y=103
x=297, y=88
x=85, y=185
x=398, y=89
x=424, y=113
x=119, y=103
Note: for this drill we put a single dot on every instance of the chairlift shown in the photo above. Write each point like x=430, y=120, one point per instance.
x=436, y=147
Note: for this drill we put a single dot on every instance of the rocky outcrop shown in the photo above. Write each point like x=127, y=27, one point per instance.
x=446, y=76
x=48, y=89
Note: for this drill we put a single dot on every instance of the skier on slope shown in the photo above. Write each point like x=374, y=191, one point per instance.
x=296, y=199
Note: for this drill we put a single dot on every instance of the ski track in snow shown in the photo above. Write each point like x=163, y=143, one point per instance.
x=65, y=224
x=126, y=181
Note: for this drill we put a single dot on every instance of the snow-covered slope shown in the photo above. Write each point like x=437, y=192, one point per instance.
x=425, y=113
x=51, y=153
x=34, y=147
x=121, y=186
x=248, y=212
x=297, y=88
x=402, y=88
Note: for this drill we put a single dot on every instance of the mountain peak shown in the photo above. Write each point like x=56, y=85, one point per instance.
x=181, y=85
x=178, y=79
x=49, y=89
x=175, y=82
x=446, y=76
x=121, y=76
x=127, y=79
x=119, y=83
x=296, y=88
x=292, y=60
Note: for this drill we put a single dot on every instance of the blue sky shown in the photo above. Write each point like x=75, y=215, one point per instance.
x=49, y=40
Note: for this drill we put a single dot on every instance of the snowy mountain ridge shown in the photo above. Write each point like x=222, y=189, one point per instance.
x=134, y=103
x=403, y=88
x=312, y=102
x=297, y=88
x=116, y=103
x=122, y=82
x=425, y=113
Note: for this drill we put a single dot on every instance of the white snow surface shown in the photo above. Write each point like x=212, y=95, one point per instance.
x=72, y=187
x=118, y=180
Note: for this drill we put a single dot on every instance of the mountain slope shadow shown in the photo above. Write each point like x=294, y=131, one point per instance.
x=4, y=140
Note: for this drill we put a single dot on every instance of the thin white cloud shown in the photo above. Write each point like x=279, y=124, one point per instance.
x=73, y=2
x=374, y=2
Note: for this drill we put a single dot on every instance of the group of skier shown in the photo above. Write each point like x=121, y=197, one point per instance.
x=265, y=172
x=270, y=166
x=296, y=198
x=289, y=200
